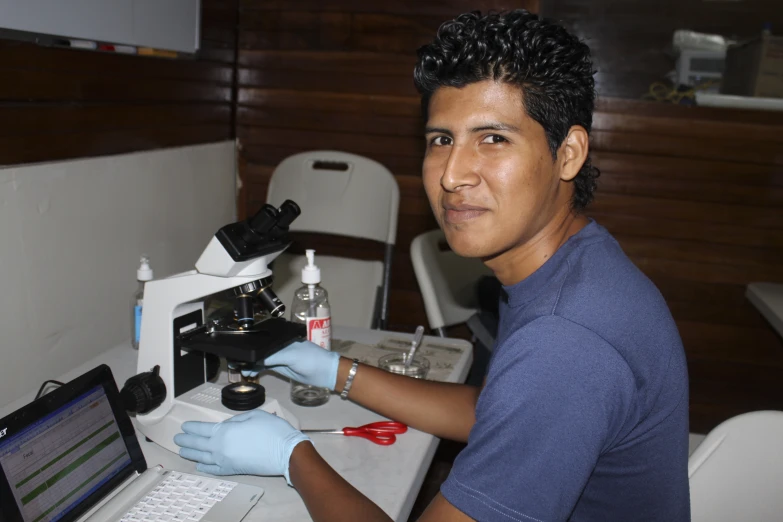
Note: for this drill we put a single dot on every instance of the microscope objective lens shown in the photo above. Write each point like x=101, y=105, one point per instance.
x=243, y=307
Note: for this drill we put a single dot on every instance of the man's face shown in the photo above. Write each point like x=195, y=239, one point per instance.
x=488, y=170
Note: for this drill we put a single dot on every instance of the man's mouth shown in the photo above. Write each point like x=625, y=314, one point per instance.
x=454, y=214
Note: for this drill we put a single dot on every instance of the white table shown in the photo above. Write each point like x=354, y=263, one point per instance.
x=768, y=298
x=390, y=476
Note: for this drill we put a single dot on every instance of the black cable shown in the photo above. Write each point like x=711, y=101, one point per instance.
x=43, y=386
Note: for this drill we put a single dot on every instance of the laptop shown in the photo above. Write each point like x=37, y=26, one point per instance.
x=73, y=455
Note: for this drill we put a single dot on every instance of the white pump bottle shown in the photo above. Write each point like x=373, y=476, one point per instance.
x=311, y=308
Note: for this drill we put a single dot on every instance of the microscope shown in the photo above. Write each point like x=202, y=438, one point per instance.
x=180, y=349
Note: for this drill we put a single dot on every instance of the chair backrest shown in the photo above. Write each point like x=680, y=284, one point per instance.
x=346, y=195
x=339, y=193
x=736, y=473
x=447, y=281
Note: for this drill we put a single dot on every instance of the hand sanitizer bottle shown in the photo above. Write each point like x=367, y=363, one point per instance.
x=143, y=274
x=311, y=308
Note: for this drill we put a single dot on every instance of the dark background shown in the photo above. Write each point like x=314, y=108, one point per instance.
x=694, y=195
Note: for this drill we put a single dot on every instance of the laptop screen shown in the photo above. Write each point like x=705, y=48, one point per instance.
x=60, y=460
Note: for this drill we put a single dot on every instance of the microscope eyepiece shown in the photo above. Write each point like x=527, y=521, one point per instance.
x=264, y=219
x=287, y=213
x=257, y=227
x=270, y=222
x=265, y=232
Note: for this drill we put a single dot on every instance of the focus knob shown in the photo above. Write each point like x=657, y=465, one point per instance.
x=144, y=392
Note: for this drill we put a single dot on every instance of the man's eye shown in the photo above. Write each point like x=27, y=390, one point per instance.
x=440, y=140
x=493, y=139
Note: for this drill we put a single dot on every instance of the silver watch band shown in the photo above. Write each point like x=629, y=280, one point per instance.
x=349, y=380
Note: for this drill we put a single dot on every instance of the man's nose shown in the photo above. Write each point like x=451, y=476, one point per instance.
x=460, y=171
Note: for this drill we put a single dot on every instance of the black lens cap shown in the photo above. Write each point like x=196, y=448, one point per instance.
x=243, y=396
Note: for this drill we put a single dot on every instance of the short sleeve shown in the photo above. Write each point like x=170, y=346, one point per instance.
x=557, y=396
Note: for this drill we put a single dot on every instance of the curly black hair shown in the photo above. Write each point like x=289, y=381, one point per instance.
x=551, y=67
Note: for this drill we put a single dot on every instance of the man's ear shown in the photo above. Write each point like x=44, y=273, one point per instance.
x=573, y=152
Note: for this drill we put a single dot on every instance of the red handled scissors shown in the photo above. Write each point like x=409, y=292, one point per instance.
x=383, y=433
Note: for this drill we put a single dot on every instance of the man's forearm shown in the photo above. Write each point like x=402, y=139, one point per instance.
x=443, y=409
x=326, y=494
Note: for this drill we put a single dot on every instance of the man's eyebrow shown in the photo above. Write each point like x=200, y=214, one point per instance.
x=439, y=130
x=495, y=126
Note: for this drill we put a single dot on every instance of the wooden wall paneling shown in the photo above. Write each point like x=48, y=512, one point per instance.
x=68, y=103
x=693, y=196
x=38, y=86
x=293, y=29
x=761, y=217
x=742, y=344
x=659, y=227
x=326, y=61
x=704, y=252
x=219, y=26
x=671, y=126
x=702, y=310
x=325, y=72
x=720, y=389
x=32, y=118
x=328, y=121
x=349, y=142
x=674, y=188
x=325, y=81
x=343, y=103
x=23, y=56
x=69, y=145
x=440, y=8
x=737, y=150
x=699, y=170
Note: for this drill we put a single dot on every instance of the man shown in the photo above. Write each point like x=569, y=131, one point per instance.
x=584, y=411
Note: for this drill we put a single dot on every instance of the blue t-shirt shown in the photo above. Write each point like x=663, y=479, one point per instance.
x=584, y=415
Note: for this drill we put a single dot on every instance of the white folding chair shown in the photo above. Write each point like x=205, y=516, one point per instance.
x=346, y=195
x=736, y=473
x=447, y=281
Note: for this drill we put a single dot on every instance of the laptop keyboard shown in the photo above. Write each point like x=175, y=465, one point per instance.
x=179, y=497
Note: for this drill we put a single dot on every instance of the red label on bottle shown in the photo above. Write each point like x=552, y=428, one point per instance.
x=319, y=331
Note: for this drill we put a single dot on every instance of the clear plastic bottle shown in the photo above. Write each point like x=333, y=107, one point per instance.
x=311, y=308
x=143, y=274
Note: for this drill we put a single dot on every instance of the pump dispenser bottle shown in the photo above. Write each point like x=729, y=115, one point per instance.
x=311, y=308
x=143, y=274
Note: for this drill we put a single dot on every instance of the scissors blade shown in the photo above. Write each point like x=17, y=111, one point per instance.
x=337, y=432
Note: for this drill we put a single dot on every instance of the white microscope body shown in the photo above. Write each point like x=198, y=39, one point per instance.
x=174, y=306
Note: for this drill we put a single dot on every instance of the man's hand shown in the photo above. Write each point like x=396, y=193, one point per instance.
x=304, y=362
x=253, y=443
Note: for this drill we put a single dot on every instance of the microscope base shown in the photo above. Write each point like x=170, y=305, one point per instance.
x=203, y=403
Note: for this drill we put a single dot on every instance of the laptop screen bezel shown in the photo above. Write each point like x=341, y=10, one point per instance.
x=51, y=402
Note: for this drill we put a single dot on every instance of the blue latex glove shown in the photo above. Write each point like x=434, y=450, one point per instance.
x=305, y=362
x=253, y=443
